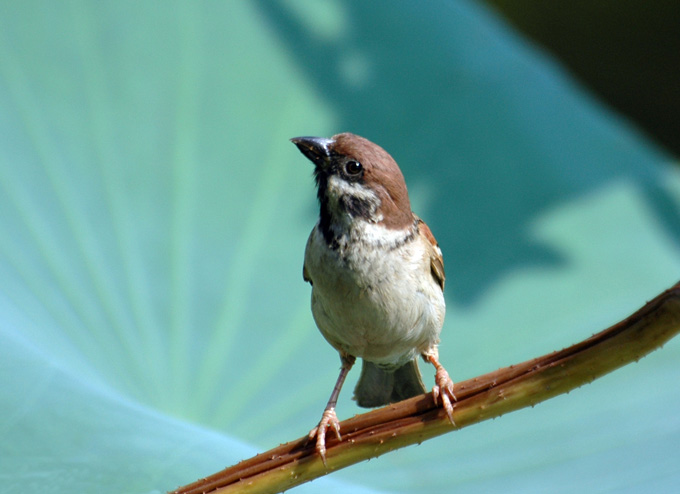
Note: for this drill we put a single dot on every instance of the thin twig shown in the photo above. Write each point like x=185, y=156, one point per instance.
x=491, y=395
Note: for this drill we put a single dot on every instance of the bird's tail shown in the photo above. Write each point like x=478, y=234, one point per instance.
x=378, y=387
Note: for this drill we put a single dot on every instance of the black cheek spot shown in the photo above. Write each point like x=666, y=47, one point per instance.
x=356, y=207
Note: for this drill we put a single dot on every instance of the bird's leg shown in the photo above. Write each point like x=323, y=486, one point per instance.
x=329, y=419
x=443, y=385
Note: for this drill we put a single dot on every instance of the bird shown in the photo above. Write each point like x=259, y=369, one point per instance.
x=377, y=278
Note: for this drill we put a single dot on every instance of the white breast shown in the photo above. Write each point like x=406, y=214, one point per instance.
x=374, y=296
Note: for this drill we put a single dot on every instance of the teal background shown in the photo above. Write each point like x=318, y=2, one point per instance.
x=154, y=325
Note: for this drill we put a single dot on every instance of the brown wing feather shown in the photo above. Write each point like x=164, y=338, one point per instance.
x=436, y=258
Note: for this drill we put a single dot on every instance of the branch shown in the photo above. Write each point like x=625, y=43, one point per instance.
x=485, y=397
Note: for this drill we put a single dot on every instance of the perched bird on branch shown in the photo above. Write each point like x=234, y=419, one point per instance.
x=377, y=277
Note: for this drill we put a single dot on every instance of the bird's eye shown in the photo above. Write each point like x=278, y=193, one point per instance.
x=353, y=167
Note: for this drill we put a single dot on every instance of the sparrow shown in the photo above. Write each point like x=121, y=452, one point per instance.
x=377, y=277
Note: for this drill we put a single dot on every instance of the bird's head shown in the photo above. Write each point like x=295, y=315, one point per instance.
x=357, y=180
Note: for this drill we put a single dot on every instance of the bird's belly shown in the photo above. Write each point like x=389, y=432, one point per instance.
x=365, y=328
x=378, y=307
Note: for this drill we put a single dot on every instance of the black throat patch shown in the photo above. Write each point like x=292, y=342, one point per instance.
x=325, y=219
x=334, y=229
x=334, y=218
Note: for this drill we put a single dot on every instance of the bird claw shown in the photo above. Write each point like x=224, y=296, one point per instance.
x=443, y=390
x=328, y=419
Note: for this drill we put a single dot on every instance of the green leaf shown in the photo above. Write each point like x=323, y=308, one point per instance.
x=154, y=325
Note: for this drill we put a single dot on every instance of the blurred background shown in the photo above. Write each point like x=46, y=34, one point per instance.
x=154, y=325
x=625, y=54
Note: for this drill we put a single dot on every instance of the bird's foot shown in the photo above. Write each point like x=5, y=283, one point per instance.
x=443, y=390
x=328, y=419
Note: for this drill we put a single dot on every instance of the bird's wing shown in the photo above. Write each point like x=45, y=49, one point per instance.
x=436, y=257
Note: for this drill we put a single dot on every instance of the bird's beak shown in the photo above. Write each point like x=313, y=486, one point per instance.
x=316, y=149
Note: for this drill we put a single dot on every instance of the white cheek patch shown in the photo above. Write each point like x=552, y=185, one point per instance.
x=368, y=231
x=338, y=187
